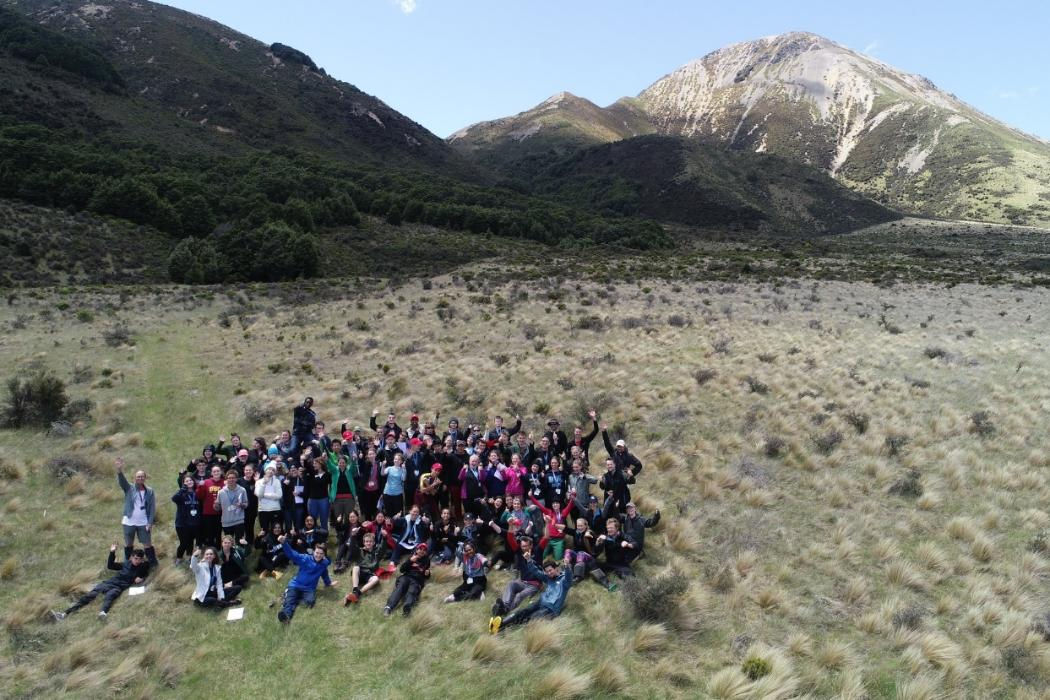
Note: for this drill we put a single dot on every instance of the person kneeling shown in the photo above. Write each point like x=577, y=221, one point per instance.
x=303, y=588
x=414, y=575
x=210, y=591
x=557, y=583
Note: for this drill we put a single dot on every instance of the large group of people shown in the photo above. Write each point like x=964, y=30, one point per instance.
x=392, y=502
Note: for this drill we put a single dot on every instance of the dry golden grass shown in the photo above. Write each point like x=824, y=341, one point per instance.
x=649, y=638
x=808, y=551
x=562, y=684
x=543, y=636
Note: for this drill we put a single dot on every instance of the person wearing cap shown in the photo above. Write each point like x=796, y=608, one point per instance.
x=413, y=430
x=559, y=444
x=409, y=585
x=390, y=427
x=624, y=460
x=454, y=432
x=430, y=488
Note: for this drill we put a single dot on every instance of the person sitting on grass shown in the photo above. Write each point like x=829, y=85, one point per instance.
x=475, y=576
x=369, y=557
x=271, y=556
x=303, y=587
x=233, y=561
x=348, y=537
x=616, y=548
x=210, y=591
x=634, y=525
x=522, y=588
x=556, y=584
x=414, y=574
x=133, y=572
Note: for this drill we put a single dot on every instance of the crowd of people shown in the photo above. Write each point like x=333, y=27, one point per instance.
x=392, y=502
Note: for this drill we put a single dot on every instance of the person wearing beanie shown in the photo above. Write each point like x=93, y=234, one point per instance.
x=409, y=585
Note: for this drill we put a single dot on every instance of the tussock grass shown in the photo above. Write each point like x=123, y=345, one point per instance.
x=649, y=638
x=543, y=636
x=486, y=650
x=562, y=684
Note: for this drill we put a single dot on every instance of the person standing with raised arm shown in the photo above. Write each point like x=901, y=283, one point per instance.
x=140, y=509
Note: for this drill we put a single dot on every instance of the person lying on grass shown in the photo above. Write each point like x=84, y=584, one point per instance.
x=556, y=584
x=303, y=587
x=133, y=572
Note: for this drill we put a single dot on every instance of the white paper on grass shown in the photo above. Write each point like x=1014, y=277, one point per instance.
x=234, y=614
x=136, y=590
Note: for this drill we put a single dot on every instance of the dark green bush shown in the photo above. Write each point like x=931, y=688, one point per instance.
x=35, y=401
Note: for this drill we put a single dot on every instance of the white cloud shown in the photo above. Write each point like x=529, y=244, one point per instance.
x=407, y=6
x=1008, y=95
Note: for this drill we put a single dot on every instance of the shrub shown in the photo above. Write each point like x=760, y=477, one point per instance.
x=532, y=330
x=755, y=667
x=755, y=386
x=194, y=261
x=68, y=465
x=78, y=409
x=935, y=353
x=827, y=442
x=858, y=420
x=678, y=321
x=895, y=443
x=654, y=599
x=703, y=376
x=773, y=446
x=721, y=345
x=909, y=617
x=908, y=486
x=589, y=323
x=255, y=413
x=34, y=402
x=981, y=423
x=117, y=335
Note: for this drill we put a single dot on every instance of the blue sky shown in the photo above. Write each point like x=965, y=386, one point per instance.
x=450, y=63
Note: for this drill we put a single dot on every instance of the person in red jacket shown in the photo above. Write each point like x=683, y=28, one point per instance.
x=554, y=538
x=211, y=520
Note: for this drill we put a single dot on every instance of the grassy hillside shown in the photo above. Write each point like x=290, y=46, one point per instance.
x=787, y=430
x=674, y=179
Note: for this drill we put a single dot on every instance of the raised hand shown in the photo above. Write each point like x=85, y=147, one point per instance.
x=119, y=462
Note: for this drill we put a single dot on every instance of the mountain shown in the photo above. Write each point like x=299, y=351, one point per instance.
x=189, y=83
x=679, y=180
x=882, y=132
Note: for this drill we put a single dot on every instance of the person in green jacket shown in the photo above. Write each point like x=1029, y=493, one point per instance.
x=343, y=490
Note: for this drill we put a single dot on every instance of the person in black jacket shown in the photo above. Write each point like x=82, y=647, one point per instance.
x=187, y=517
x=634, y=525
x=303, y=422
x=132, y=573
x=559, y=444
x=271, y=556
x=294, y=500
x=624, y=460
x=388, y=428
x=616, y=549
x=614, y=485
x=584, y=441
x=409, y=585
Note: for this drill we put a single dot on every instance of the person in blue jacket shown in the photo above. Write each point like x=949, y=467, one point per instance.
x=557, y=583
x=303, y=588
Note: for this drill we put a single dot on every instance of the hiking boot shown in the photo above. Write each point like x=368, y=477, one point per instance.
x=494, y=624
x=56, y=615
x=102, y=615
x=406, y=611
x=283, y=617
x=499, y=608
x=387, y=611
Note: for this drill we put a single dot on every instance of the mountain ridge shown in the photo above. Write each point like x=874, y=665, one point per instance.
x=883, y=132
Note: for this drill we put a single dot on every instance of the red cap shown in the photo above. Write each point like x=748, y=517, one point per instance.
x=415, y=442
x=348, y=435
x=423, y=546
x=415, y=417
x=436, y=468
